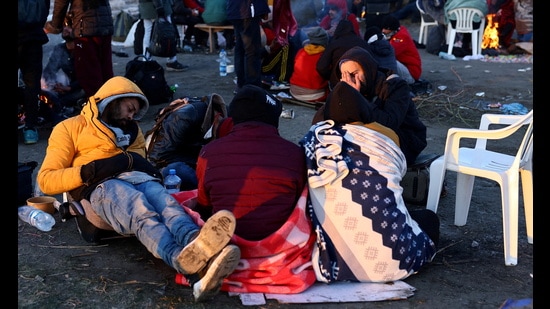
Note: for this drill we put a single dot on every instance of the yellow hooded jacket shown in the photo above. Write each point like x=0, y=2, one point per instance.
x=79, y=140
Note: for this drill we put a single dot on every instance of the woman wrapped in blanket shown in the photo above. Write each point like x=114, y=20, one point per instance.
x=365, y=232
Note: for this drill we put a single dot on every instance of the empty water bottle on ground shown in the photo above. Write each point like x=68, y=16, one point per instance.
x=223, y=63
x=36, y=217
x=172, y=182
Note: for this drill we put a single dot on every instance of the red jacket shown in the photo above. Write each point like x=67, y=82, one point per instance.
x=342, y=4
x=254, y=173
x=305, y=73
x=406, y=52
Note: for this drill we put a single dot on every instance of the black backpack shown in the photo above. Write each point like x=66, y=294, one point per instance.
x=149, y=76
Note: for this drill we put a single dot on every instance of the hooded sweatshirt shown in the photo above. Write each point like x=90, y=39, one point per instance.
x=84, y=138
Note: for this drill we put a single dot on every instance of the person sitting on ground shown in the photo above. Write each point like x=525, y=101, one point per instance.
x=98, y=156
x=182, y=134
x=387, y=99
x=337, y=11
x=243, y=172
x=215, y=14
x=305, y=83
x=344, y=38
x=380, y=49
x=409, y=62
x=365, y=232
x=59, y=82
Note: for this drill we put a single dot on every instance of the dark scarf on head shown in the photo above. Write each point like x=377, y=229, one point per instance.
x=374, y=75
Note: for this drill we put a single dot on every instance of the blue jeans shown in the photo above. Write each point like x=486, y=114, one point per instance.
x=248, y=51
x=185, y=172
x=147, y=211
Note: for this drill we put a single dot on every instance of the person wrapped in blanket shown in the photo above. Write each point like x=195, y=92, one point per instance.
x=388, y=99
x=365, y=233
x=261, y=178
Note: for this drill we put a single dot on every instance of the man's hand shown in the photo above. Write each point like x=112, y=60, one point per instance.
x=354, y=80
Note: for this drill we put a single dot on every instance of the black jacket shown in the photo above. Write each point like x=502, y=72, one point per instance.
x=344, y=38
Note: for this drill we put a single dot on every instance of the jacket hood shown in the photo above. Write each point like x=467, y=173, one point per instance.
x=120, y=87
x=345, y=27
x=369, y=65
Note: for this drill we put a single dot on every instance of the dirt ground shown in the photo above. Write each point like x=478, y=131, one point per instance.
x=58, y=269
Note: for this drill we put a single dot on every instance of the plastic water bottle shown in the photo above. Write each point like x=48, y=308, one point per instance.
x=36, y=217
x=172, y=182
x=223, y=63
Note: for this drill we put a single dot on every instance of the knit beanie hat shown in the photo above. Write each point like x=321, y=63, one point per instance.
x=346, y=105
x=370, y=33
x=253, y=103
x=390, y=23
x=317, y=36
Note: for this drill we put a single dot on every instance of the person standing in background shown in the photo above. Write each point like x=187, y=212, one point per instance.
x=246, y=17
x=30, y=39
x=92, y=22
x=149, y=11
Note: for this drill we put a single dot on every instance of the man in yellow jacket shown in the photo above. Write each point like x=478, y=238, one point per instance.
x=99, y=156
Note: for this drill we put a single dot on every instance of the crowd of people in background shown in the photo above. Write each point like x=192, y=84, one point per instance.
x=251, y=213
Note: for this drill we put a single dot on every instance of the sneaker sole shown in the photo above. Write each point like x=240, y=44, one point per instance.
x=175, y=70
x=212, y=238
x=222, y=266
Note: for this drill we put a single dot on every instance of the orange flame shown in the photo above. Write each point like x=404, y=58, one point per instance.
x=490, y=34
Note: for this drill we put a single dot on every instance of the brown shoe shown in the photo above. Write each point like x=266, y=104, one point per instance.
x=212, y=238
x=221, y=267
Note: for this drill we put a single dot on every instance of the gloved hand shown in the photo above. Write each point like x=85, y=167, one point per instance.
x=104, y=168
x=160, y=12
x=141, y=164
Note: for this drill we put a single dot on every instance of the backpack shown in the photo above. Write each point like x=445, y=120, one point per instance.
x=122, y=25
x=164, y=39
x=149, y=76
x=32, y=11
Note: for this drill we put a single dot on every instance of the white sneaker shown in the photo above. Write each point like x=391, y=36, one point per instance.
x=222, y=266
x=213, y=237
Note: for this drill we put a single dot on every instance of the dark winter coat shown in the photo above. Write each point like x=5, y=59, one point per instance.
x=88, y=17
x=389, y=103
x=181, y=137
x=344, y=38
x=240, y=9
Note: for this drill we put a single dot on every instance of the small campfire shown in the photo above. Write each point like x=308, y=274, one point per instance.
x=489, y=44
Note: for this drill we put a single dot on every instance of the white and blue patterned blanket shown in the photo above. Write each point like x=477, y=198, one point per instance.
x=364, y=231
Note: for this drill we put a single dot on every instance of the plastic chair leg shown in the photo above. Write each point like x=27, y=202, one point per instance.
x=510, y=212
x=475, y=44
x=527, y=188
x=451, y=42
x=437, y=175
x=464, y=188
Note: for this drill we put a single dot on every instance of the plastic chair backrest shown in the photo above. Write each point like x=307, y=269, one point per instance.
x=465, y=24
x=425, y=22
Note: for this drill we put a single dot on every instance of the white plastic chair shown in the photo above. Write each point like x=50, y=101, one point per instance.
x=465, y=24
x=426, y=21
x=503, y=168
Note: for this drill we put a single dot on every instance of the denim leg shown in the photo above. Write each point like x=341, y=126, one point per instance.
x=148, y=212
x=185, y=172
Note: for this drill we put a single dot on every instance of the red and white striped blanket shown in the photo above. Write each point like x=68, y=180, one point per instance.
x=278, y=264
